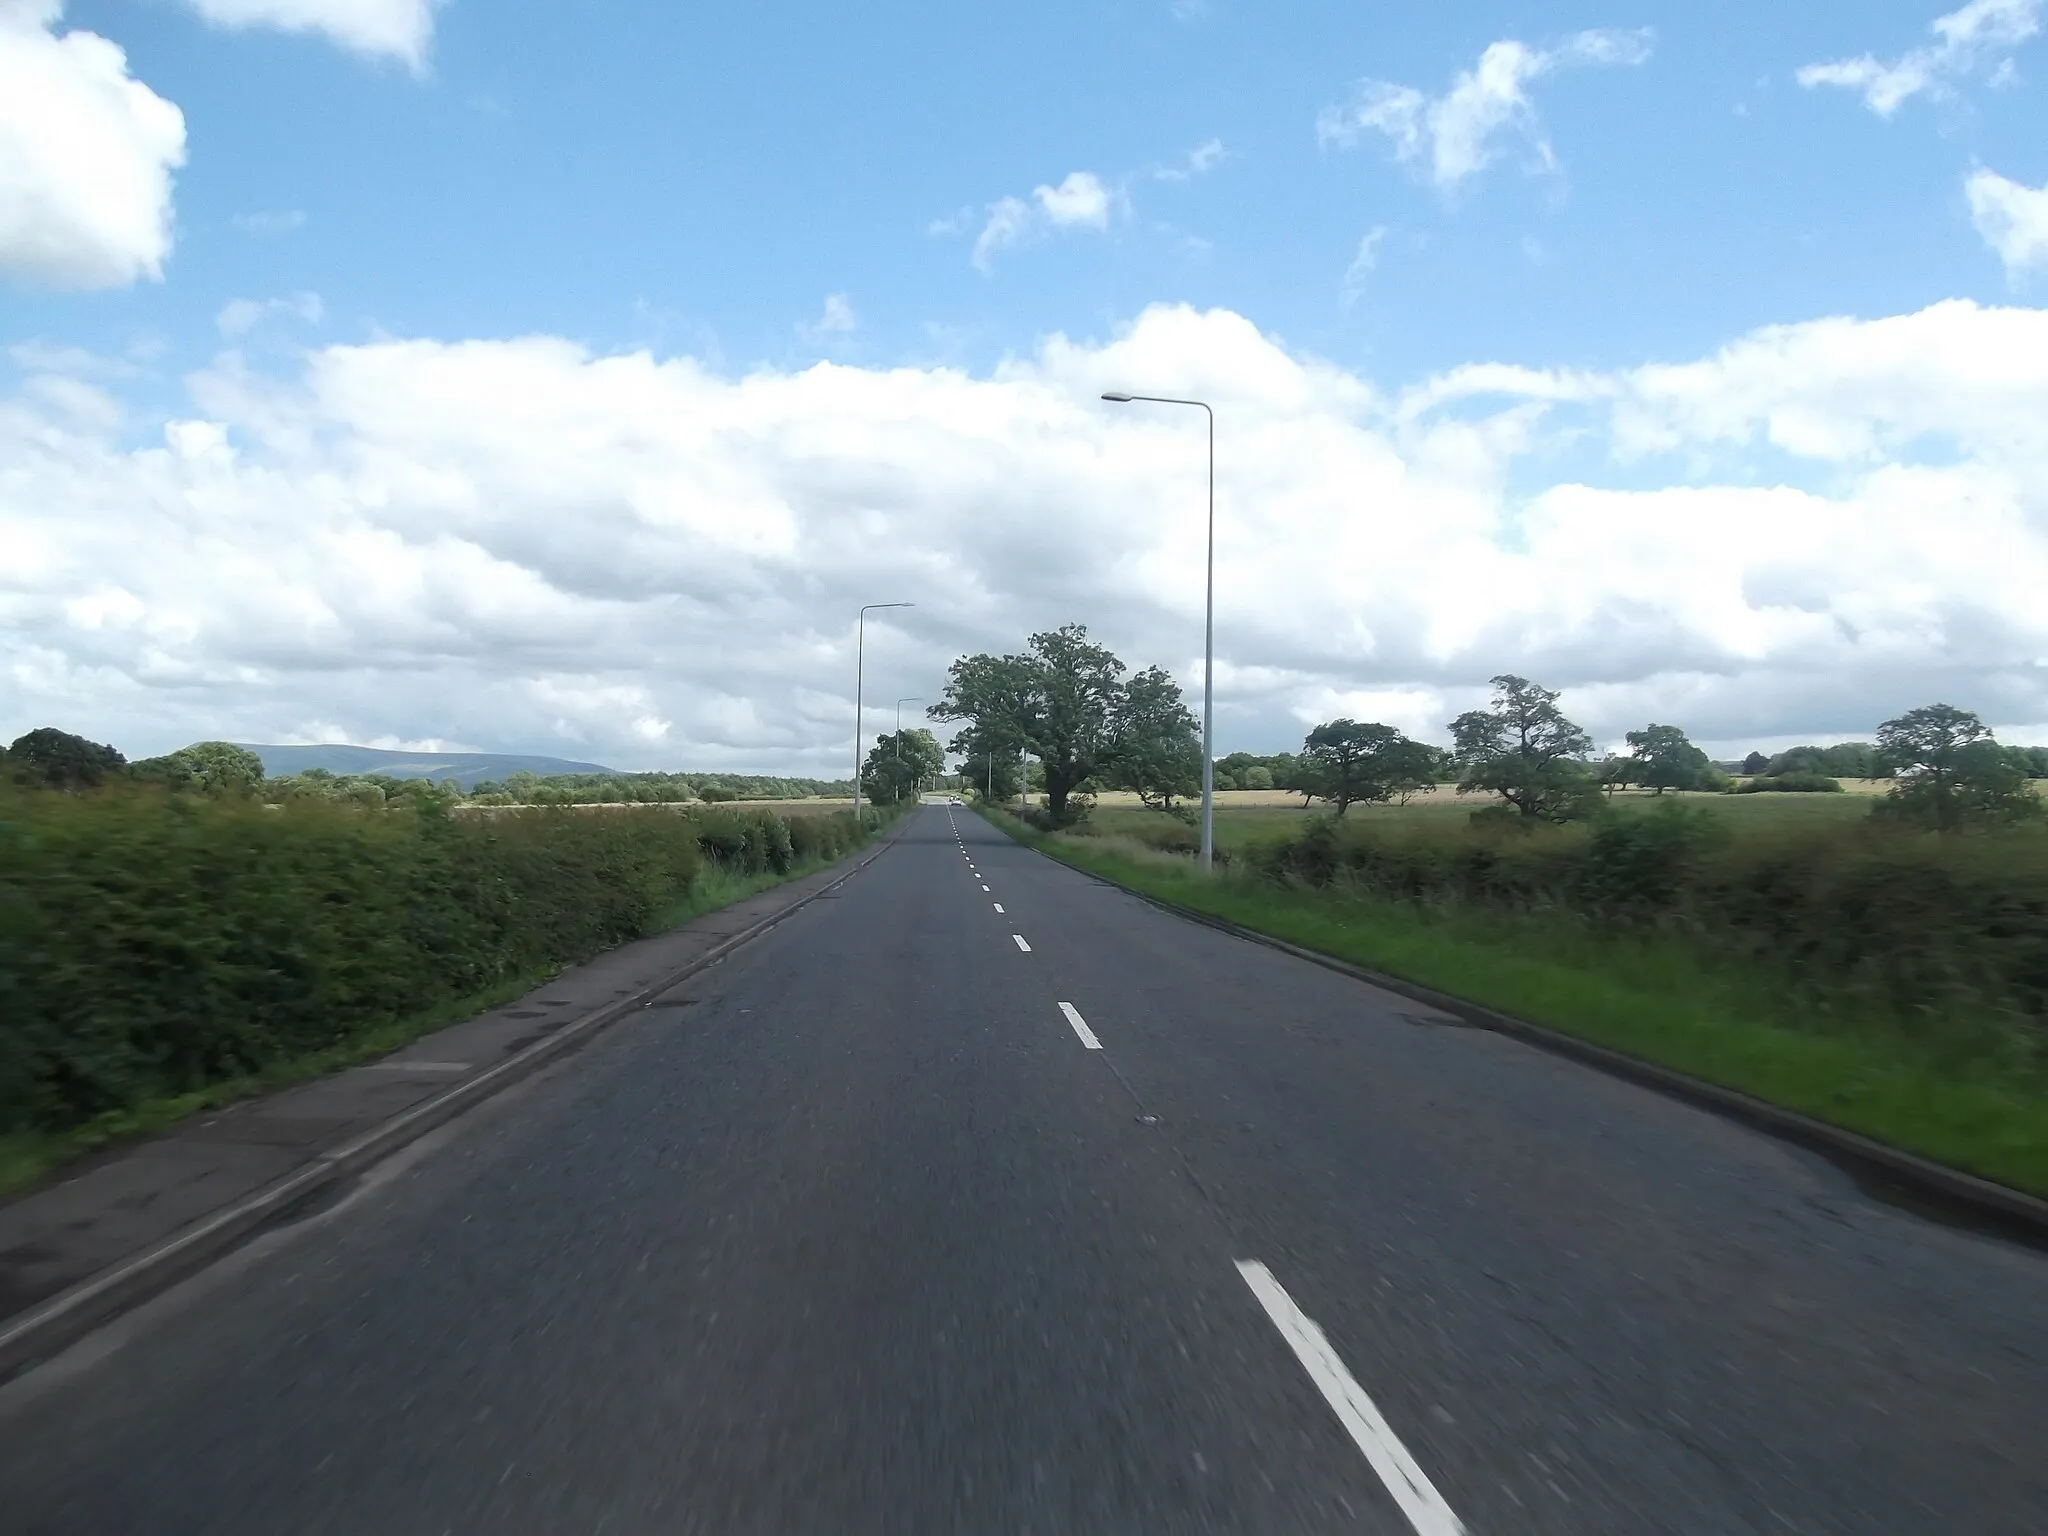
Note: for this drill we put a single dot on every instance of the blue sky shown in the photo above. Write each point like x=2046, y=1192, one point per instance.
x=749, y=190
x=698, y=177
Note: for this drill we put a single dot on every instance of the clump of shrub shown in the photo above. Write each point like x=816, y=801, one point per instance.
x=1798, y=781
x=152, y=943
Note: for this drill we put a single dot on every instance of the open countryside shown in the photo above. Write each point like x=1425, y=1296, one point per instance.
x=1164, y=767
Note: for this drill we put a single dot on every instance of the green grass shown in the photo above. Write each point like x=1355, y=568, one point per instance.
x=1649, y=996
x=27, y=1157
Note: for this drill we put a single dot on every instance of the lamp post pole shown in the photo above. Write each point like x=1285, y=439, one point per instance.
x=1208, y=633
x=859, y=680
x=898, y=751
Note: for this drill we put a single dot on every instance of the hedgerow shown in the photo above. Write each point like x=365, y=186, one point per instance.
x=152, y=943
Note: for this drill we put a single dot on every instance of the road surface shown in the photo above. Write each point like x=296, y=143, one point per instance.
x=985, y=1198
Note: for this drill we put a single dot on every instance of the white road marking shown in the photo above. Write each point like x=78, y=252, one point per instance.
x=1081, y=1027
x=1020, y=942
x=1417, y=1496
x=999, y=906
x=984, y=887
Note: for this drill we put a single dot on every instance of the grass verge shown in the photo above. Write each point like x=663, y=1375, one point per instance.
x=1649, y=996
x=28, y=1157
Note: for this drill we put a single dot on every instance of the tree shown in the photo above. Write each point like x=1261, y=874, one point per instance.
x=1755, y=763
x=1349, y=763
x=899, y=762
x=1612, y=773
x=1156, y=750
x=1063, y=699
x=1664, y=758
x=1524, y=750
x=990, y=762
x=1347, y=756
x=1851, y=760
x=1258, y=776
x=1950, y=771
x=207, y=767
x=52, y=759
x=1415, y=767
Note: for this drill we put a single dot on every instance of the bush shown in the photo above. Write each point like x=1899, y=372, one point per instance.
x=1797, y=782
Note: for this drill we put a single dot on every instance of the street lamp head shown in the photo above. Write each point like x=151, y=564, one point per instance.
x=1119, y=399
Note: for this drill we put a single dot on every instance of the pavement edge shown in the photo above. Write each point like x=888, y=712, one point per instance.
x=31, y=1337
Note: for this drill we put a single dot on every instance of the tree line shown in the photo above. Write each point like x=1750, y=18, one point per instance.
x=1068, y=702
x=52, y=759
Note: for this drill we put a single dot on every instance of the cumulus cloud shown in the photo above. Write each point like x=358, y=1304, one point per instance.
x=1082, y=201
x=1456, y=135
x=86, y=156
x=394, y=29
x=2013, y=219
x=643, y=561
x=1981, y=35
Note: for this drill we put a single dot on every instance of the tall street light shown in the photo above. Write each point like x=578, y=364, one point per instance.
x=913, y=699
x=1208, y=634
x=859, y=679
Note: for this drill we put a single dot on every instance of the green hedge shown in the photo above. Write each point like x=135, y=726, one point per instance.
x=152, y=944
x=1948, y=933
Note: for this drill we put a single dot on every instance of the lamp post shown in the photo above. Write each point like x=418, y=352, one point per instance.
x=1208, y=632
x=913, y=699
x=859, y=679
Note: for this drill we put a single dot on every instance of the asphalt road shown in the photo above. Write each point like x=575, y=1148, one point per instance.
x=856, y=1232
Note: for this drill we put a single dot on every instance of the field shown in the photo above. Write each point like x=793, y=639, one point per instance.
x=1248, y=816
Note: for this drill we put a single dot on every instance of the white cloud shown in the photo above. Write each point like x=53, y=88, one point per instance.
x=521, y=543
x=836, y=321
x=281, y=222
x=2012, y=218
x=1982, y=33
x=1201, y=160
x=86, y=155
x=238, y=317
x=1456, y=135
x=1363, y=262
x=1082, y=201
x=395, y=29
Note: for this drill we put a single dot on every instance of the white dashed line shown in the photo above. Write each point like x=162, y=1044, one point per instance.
x=1417, y=1496
x=1081, y=1027
x=984, y=888
x=1020, y=942
x=999, y=906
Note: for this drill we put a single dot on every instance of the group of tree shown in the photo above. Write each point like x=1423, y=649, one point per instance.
x=1066, y=701
x=649, y=788
x=48, y=758
x=900, y=765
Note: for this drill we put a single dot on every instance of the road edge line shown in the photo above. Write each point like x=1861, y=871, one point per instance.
x=32, y=1337
x=2000, y=1203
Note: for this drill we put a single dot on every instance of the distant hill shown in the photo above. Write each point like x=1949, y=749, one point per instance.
x=466, y=768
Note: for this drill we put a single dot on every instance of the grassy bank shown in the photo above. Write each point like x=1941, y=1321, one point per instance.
x=160, y=955
x=1963, y=1084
